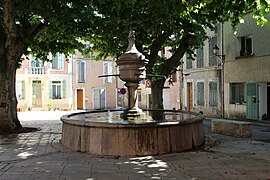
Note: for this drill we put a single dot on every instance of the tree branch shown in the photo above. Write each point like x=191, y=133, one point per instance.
x=174, y=60
x=154, y=49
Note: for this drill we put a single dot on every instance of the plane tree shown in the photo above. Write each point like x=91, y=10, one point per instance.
x=179, y=24
x=38, y=27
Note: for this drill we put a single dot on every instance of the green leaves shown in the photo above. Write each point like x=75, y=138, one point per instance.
x=151, y=18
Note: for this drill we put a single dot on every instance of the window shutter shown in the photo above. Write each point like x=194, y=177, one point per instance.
x=105, y=71
x=63, y=89
x=50, y=89
x=83, y=71
x=23, y=89
x=77, y=71
x=61, y=60
x=213, y=94
x=200, y=93
x=200, y=57
x=110, y=72
x=212, y=57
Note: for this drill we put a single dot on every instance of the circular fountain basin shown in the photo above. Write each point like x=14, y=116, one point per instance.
x=106, y=133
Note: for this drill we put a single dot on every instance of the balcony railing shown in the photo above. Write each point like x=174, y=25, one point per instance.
x=36, y=70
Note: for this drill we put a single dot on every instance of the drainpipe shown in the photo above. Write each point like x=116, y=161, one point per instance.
x=222, y=71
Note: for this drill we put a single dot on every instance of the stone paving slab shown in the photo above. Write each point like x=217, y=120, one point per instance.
x=39, y=155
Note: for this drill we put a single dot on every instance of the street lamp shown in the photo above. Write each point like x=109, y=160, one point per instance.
x=216, y=51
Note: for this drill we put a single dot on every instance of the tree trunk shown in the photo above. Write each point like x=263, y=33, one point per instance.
x=157, y=94
x=8, y=102
x=157, y=99
x=11, y=51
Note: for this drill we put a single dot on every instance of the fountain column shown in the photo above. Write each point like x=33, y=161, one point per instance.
x=132, y=70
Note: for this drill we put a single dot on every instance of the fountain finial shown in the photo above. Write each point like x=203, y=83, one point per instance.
x=131, y=41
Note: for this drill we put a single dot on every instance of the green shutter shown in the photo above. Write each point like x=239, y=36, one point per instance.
x=23, y=89
x=50, y=89
x=63, y=89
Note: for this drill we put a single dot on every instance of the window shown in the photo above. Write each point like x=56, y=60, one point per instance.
x=213, y=94
x=244, y=46
x=35, y=62
x=56, y=90
x=200, y=93
x=107, y=70
x=99, y=98
x=81, y=71
x=212, y=56
x=237, y=93
x=189, y=63
x=58, y=61
x=20, y=89
x=200, y=57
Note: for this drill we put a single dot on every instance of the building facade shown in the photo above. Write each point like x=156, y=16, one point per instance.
x=90, y=91
x=202, y=79
x=234, y=82
x=246, y=70
x=43, y=85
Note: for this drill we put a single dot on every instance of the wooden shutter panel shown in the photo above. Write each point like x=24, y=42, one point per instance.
x=63, y=89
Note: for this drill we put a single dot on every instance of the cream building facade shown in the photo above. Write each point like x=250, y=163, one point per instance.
x=202, y=85
x=247, y=70
x=44, y=85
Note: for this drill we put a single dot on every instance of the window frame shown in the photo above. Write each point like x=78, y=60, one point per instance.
x=57, y=61
x=242, y=46
x=57, y=91
x=239, y=88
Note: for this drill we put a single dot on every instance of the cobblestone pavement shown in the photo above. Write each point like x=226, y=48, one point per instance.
x=39, y=155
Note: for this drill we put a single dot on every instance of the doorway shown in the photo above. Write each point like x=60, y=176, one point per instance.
x=79, y=99
x=189, y=96
x=36, y=94
x=252, y=111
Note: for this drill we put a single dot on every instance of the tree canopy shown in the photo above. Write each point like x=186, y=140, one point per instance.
x=158, y=23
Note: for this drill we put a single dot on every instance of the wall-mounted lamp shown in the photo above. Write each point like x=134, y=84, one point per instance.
x=216, y=52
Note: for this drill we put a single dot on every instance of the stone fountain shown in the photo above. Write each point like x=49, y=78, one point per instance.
x=132, y=132
x=132, y=71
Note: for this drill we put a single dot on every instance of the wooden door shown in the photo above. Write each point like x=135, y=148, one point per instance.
x=79, y=99
x=190, y=96
x=252, y=111
x=36, y=94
